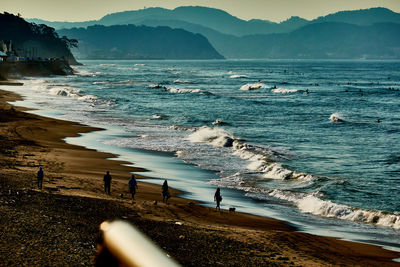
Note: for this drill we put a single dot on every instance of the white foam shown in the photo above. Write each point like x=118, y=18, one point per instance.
x=183, y=91
x=253, y=86
x=90, y=98
x=181, y=81
x=336, y=117
x=128, y=68
x=310, y=203
x=42, y=87
x=70, y=92
x=158, y=116
x=218, y=122
x=213, y=136
x=88, y=73
x=261, y=159
x=284, y=91
x=179, y=128
x=236, y=76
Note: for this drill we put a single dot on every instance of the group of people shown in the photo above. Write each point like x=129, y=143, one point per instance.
x=164, y=189
x=133, y=186
x=132, y=183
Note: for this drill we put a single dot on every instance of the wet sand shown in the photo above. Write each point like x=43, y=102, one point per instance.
x=58, y=225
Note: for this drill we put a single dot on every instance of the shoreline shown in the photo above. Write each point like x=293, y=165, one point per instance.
x=71, y=176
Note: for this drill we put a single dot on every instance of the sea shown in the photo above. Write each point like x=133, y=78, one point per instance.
x=311, y=142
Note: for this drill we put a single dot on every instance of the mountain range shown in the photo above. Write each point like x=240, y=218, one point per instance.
x=140, y=42
x=368, y=33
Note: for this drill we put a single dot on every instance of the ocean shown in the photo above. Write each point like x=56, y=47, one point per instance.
x=312, y=142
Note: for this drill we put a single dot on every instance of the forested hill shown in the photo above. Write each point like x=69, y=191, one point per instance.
x=32, y=40
x=139, y=42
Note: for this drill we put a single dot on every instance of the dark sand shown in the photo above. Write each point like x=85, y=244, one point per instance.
x=58, y=225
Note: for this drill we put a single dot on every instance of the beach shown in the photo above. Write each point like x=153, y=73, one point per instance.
x=58, y=225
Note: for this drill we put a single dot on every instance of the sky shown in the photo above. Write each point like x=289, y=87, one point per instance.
x=273, y=10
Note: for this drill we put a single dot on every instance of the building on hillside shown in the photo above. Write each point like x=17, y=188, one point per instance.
x=7, y=48
x=3, y=56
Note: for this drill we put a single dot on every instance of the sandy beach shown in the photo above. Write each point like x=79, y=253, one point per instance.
x=58, y=225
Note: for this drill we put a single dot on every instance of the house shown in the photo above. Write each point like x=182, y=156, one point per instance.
x=3, y=56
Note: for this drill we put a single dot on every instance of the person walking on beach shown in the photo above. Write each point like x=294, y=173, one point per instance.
x=165, y=192
x=107, y=183
x=39, y=177
x=217, y=198
x=133, y=186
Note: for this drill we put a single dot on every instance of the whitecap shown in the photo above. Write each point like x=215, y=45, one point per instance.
x=180, y=128
x=158, y=116
x=262, y=160
x=213, y=136
x=237, y=76
x=284, y=91
x=87, y=73
x=183, y=90
x=69, y=92
x=219, y=122
x=311, y=203
x=253, y=86
x=181, y=81
x=336, y=117
x=90, y=98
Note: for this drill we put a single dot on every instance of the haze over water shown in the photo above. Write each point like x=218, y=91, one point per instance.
x=312, y=139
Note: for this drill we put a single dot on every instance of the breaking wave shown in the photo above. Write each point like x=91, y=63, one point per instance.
x=236, y=76
x=61, y=90
x=87, y=73
x=310, y=203
x=262, y=160
x=181, y=81
x=284, y=91
x=253, y=86
x=214, y=136
x=183, y=90
x=335, y=117
x=175, y=90
x=219, y=122
x=158, y=117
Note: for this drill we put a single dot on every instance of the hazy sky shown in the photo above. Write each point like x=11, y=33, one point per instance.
x=274, y=10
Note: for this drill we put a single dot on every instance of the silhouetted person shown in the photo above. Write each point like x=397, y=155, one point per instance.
x=165, y=192
x=107, y=183
x=133, y=186
x=39, y=177
x=218, y=198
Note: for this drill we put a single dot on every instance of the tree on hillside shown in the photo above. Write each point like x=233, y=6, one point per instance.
x=41, y=39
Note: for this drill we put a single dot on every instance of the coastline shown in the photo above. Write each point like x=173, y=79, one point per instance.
x=31, y=140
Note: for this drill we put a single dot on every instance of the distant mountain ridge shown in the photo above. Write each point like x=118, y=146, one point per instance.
x=363, y=17
x=223, y=22
x=236, y=38
x=212, y=18
x=140, y=42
